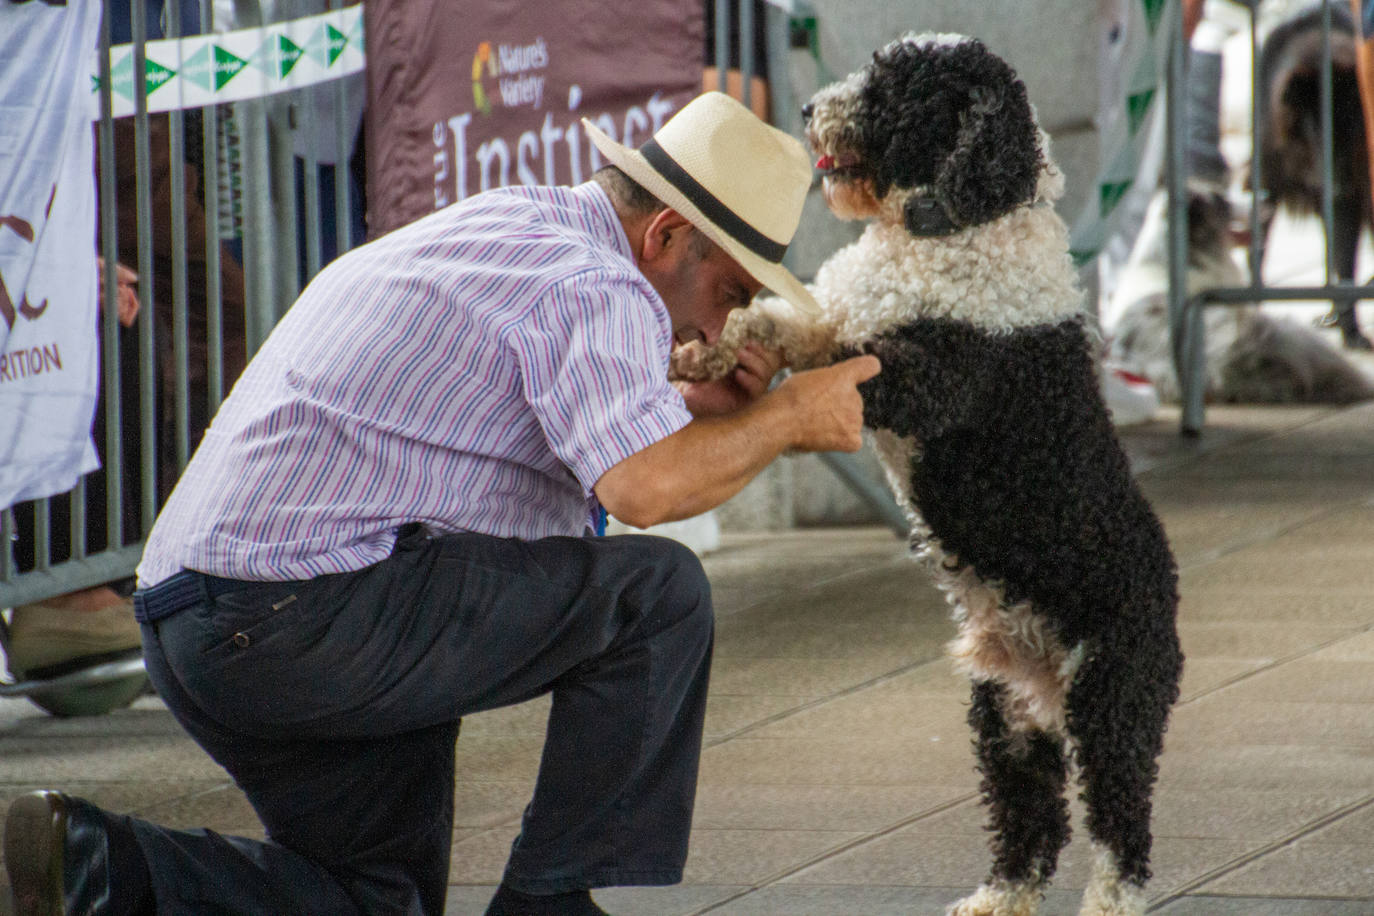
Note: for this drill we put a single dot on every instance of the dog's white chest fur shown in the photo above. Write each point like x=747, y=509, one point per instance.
x=1011, y=273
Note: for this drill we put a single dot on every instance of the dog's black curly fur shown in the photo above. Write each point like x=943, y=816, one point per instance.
x=1015, y=470
x=971, y=107
x=1024, y=777
x=1020, y=476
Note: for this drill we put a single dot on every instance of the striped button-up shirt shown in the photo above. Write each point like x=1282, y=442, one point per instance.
x=477, y=370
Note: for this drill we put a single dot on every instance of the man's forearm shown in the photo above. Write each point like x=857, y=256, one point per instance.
x=712, y=458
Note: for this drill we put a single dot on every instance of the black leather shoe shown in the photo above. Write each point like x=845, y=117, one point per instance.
x=60, y=852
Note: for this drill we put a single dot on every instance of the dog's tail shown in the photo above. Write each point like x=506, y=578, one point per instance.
x=1277, y=360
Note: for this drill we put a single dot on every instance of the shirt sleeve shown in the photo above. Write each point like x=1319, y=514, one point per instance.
x=594, y=361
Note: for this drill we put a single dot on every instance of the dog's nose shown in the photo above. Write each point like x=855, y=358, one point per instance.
x=807, y=111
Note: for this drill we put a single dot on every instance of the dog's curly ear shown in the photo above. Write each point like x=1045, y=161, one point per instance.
x=996, y=159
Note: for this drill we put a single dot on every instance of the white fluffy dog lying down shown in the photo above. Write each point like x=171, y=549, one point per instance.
x=1252, y=357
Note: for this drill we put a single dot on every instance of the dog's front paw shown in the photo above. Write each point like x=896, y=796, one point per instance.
x=696, y=362
x=1001, y=900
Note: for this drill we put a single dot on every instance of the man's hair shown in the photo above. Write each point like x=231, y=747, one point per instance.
x=633, y=198
x=625, y=192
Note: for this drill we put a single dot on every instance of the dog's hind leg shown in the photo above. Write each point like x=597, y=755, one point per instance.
x=1024, y=776
x=1118, y=709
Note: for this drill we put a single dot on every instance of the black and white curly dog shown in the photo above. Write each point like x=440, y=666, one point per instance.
x=992, y=433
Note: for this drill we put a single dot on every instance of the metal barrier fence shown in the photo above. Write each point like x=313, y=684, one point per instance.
x=223, y=224
x=1187, y=331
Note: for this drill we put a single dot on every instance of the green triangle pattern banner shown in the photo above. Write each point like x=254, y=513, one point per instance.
x=1154, y=12
x=201, y=70
x=1129, y=122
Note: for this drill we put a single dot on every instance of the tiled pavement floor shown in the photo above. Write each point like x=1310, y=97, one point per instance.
x=838, y=779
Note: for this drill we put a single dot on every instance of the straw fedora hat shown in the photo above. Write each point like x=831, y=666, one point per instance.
x=738, y=180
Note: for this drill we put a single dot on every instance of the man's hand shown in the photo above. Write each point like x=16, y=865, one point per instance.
x=126, y=294
x=745, y=384
x=712, y=458
x=828, y=404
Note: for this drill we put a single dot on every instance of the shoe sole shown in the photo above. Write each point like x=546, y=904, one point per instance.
x=33, y=855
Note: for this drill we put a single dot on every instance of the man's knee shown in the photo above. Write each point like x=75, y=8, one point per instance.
x=678, y=596
x=684, y=581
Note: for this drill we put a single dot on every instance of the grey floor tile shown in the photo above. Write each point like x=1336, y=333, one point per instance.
x=490, y=803
x=1355, y=828
x=811, y=807
x=1356, y=647
x=1257, y=640
x=1254, y=815
x=838, y=761
x=479, y=857
x=664, y=901
x=728, y=715
x=1306, y=868
x=889, y=713
x=1204, y=601
x=812, y=678
x=1212, y=905
x=1227, y=722
x=498, y=758
x=1202, y=675
x=1293, y=769
x=679, y=900
x=522, y=720
x=754, y=857
x=1310, y=680
x=800, y=900
x=1345, y=569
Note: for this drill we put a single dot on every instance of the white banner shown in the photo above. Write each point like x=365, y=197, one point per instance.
x=1131, y=105
x=48, y=355
x=249, y=63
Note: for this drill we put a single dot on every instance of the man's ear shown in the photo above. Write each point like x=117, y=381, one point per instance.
x=663, y=230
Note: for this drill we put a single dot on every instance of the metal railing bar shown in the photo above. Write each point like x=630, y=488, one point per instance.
x=746, y=51
x=1328, y=165
x=311, y=175
x=343, y=225
x=176, y=142
x=86, y=677
x=1240, y=295
x=76, y=522
x=113, y=459
x=1175, y=177
x=70, y=575
x=147, y=323
x=722, y=39
x=214, y=287
x=42, y=533
x=1256, y=240
x=7, y=538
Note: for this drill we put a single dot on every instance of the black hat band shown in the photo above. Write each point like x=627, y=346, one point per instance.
x=710, y=206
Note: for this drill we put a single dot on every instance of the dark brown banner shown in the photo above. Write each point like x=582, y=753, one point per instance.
x=464, y=96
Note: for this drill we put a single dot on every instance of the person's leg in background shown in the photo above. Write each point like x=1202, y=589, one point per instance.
x=1363, y=14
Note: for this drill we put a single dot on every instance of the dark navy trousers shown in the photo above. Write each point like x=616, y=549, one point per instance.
x=335, y=704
